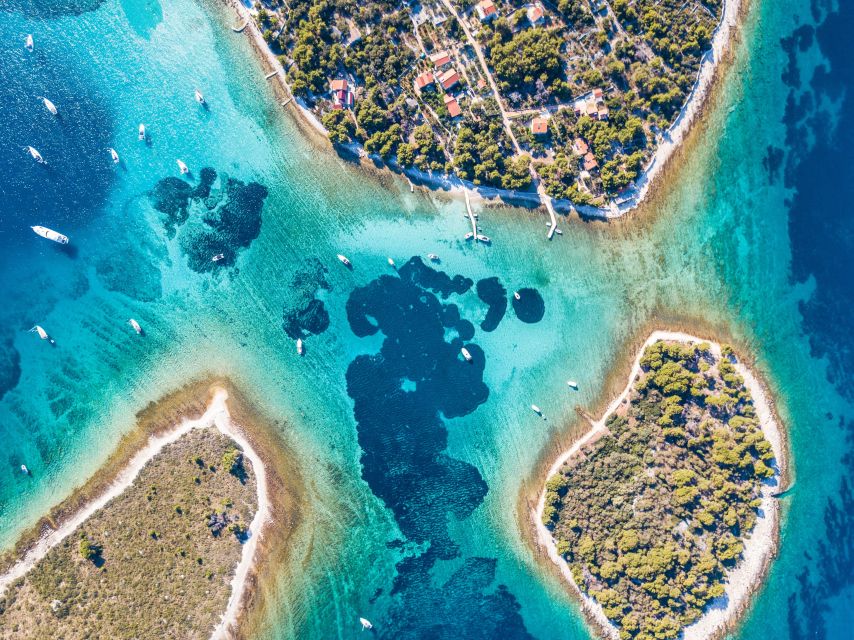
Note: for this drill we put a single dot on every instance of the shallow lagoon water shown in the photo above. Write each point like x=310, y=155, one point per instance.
x=727, y=249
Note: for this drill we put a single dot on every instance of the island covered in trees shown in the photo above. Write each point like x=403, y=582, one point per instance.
x=651, y=511
x=573, y=93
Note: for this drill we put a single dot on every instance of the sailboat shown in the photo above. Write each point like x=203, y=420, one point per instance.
x=135, y=326
x=50, y=234
x=366, y=624
x=200, y=98
x=300, y=348
x=50, y=106
x=42, y=333
x=141, y=131
x=572, y=384
x=114, y=155
x=182, y=167
x=29, y=44
x=35, y=154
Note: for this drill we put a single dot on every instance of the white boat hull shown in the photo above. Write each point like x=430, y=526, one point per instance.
x=142, y=132
x=114, y=155
x=50, y=234
x=50, y=106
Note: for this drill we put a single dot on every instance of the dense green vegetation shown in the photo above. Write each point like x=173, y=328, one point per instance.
x=656, y=511
x=643, y=55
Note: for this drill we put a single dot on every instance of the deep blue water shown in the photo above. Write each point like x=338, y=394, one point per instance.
x=403, y=395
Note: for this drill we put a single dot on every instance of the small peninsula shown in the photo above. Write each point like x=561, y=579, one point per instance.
x=571, y=99
x=665, y=506
x=164, y=552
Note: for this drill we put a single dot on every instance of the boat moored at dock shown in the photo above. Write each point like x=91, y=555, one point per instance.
x=50, y=234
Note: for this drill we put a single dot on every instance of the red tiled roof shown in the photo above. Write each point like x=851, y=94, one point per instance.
x=539, y=126
x=440, y=58
x=449, y=78
x=580, y=146
x=486, y=9
x=590, y=161
x=452, y=106
x=424, y=80
x=339, y=84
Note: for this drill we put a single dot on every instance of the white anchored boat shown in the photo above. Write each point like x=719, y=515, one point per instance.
x=35, y=154
x=24, y=470
x=484, y=239
x=572, y=384
x=344, y=260
x=135, y=326
x=366, y=624
x=200, y=98
x=218, y=257
x=300, y=347
x=114, y=155
x=42, y=333
x=50, y=234
x=182, y=167
x=391, y=263
x=466, y=354
x=516, y=295
x=536, y=410
x=141, y=131
x=433, y=257
x=50, y=106
x=28, y=45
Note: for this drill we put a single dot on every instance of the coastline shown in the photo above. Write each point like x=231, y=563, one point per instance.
x=669, y=142
x=759, y=548
x=120, y=471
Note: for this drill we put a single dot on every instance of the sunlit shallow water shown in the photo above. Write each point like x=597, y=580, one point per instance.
x=719, y=251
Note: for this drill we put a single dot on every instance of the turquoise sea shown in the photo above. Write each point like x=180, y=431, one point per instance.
x=415, y=464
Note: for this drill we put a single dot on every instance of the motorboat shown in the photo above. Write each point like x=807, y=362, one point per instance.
x=433, y=257
x=516, y=295
x=218, y=257
x=114, y=155
x=182, y=167
x=572, y=384
x=366, y=624
x=141, y=131
x=28, y=45
x=466, y=354
x=469, y=235
x=344, y=260
x=483, y=238
x=35, y=154
x=300, y=347
x=391, y=263
x=50, y=106
x=536, y=410
x=200, y=98
x=50, y=234
x=42, y=333
x=135, y=326
x=24, y=470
